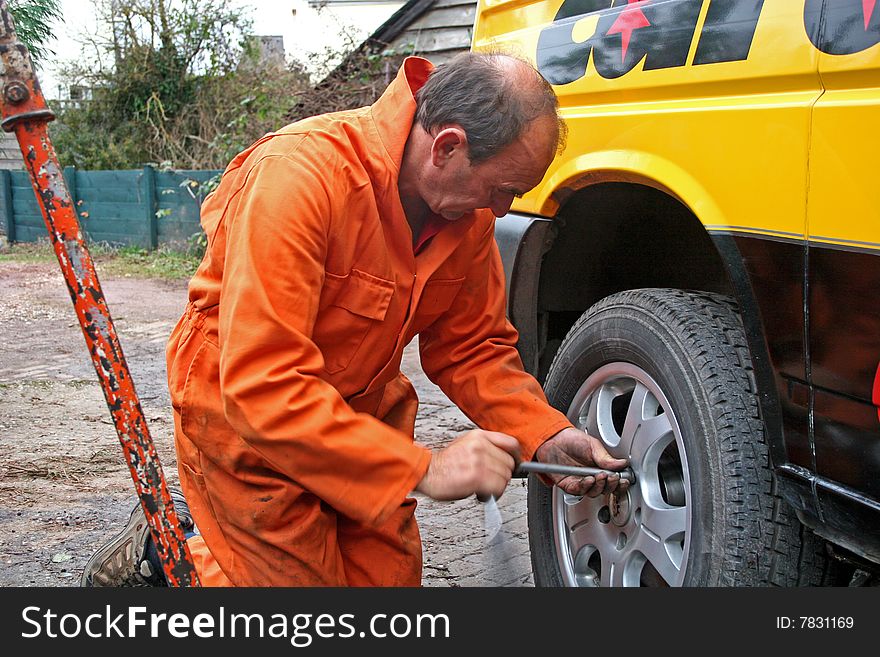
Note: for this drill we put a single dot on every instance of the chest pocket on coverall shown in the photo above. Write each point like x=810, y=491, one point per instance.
x=350, y=305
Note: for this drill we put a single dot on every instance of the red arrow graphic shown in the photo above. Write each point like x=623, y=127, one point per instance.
x=631, y=19
x=868, y=10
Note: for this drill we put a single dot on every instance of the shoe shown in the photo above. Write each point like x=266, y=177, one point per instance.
x=126, y=559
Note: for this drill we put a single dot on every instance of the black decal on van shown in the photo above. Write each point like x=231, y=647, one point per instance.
x=660, y=33
x=728, y=31
x=849, y=26
x=559, y=58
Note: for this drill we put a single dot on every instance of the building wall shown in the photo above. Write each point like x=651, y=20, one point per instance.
x=10, y=153
x=442, y=31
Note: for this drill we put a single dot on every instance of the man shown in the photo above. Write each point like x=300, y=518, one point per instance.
x=331, y=244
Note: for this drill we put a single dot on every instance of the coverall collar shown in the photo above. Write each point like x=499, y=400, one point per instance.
x=394, y=112
x=392, y=116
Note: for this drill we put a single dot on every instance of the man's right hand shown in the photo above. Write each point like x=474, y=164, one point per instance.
x=476, y=463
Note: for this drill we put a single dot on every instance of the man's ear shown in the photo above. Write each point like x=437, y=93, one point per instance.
x=448, y=143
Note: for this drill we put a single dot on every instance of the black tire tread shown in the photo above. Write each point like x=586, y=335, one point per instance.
x=763, y=542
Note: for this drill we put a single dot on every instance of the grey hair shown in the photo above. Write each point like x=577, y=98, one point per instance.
x=480, y=93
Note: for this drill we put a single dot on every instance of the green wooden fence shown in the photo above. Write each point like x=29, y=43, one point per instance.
x=147, y=208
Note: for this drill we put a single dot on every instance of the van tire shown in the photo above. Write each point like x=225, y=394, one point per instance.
x=690, y=348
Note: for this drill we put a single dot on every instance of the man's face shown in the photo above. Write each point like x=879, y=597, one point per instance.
x=461, y=187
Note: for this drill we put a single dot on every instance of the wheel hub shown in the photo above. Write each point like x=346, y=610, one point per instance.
x=620, y=506
x=639, y=536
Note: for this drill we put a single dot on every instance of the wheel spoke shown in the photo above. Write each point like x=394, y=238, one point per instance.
x=612, y=574
x=655, y=552
x=612, y=570
x=576, y=513
x=580, y=536
x=589, y=420
x=635, y=417
x=649, y=433
x=593, y=533
x=665, y=522
x=605, y=431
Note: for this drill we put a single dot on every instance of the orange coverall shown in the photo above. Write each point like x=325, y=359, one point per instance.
x=293, y=423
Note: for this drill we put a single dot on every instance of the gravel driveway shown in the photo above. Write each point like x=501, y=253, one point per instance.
x=64, y=487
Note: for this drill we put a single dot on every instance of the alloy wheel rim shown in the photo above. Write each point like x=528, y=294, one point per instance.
x=641, y=537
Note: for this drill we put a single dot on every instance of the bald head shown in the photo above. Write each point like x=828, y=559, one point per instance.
x=493, y=97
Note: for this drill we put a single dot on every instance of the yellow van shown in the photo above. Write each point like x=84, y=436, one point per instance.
x=697, y=282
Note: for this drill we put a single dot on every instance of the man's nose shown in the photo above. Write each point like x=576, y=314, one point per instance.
x=501, y=204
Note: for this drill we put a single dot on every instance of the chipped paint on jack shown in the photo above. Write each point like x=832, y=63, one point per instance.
x=74, y=256
x=28, y=119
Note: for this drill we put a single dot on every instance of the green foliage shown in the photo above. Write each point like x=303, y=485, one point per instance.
x=128, y=261
x=162, y=48
x=181, y=81
x=33, y=21
x=358, y=80
x=27, y=252
x=197, y=245
x=199, y=190
x=135, y=262
x=88, y=138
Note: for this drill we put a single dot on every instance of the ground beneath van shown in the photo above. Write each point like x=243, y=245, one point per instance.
x=64, y=488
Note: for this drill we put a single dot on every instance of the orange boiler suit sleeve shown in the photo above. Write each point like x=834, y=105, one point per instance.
x=271, y=390
x=470, y=353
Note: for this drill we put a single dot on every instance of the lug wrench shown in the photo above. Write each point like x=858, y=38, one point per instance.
x=492, y=519
x=524, y=468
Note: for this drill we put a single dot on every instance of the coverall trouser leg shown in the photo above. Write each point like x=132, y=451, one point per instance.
x=259, y=527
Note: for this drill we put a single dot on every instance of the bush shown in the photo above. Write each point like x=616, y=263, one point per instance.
x=183, y=83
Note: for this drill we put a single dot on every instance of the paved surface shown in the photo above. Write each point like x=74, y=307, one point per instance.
x=64, y=488
x=457, y=551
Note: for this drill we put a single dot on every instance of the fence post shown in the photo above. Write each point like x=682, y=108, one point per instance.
x=151, y=205
x=8, y=209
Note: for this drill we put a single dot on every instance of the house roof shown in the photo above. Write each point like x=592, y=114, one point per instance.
x=399, y=21
x=436, y=29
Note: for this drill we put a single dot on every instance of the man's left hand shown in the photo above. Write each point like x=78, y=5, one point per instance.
x=575, y=447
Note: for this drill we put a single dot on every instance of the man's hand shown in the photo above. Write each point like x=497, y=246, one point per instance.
x=477, y=462
x=574, y=447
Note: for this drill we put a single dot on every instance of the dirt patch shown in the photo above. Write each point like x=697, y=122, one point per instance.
x=64, y=488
